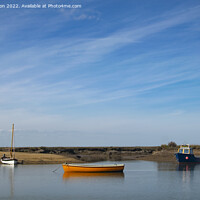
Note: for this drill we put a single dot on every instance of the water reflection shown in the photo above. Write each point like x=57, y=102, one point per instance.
x=186, y=167
x=177, y=166
x=8, y=170
x=141, y=180
x=67, y=175
x=166, y=166
x=186, y=170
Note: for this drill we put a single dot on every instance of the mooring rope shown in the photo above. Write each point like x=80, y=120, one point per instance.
x=56, y=168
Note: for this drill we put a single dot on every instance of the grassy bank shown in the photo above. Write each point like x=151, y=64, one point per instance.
x=50, y=155
x=40, y=158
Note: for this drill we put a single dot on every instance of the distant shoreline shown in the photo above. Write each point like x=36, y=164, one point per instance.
x=58, y=155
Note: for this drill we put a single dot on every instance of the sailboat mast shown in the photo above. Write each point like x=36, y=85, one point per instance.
x=12, y=140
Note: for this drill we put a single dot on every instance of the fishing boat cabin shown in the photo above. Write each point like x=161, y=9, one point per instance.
x=185, y=149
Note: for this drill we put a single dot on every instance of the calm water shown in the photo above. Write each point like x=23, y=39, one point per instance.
x=140, y=180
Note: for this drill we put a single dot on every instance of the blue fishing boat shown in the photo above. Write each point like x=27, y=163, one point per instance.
x=185, y=155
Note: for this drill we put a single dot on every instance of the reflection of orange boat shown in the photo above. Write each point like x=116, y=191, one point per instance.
x=93, y=168
x=78, y=175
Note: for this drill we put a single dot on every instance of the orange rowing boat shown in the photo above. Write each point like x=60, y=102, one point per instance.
x=93, y=168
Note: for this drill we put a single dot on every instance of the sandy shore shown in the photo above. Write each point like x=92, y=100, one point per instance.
x=58, y=155
x=41, y=158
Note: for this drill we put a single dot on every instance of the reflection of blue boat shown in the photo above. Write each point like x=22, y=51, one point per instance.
x=186, y=167
x=185, y=155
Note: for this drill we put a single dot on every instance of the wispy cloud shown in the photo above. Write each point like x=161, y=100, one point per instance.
x=177, y=112
x=80, y=14
x=73, y=60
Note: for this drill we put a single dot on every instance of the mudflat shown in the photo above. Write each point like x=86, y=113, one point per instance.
x=56, y=155
x=40, y=158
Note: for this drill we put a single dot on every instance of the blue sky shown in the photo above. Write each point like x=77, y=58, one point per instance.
x=112, y=73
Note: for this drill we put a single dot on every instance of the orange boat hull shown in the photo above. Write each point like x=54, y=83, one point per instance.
x=93, y=168
x=78, y=175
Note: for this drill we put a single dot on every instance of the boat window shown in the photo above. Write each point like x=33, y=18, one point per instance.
x=191, y=151
x=180, y=150
x=186, y=151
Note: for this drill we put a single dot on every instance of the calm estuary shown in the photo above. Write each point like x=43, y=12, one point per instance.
x=141, y=180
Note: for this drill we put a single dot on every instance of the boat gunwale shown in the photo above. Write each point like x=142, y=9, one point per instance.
x=95, y=166
x=8, y=159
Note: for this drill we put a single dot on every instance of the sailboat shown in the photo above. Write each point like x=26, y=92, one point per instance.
x=10, y=160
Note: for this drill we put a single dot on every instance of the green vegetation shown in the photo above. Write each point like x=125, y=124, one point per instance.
x=164, y=153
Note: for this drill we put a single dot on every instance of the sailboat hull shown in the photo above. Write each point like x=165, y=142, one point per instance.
x=9, y=161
